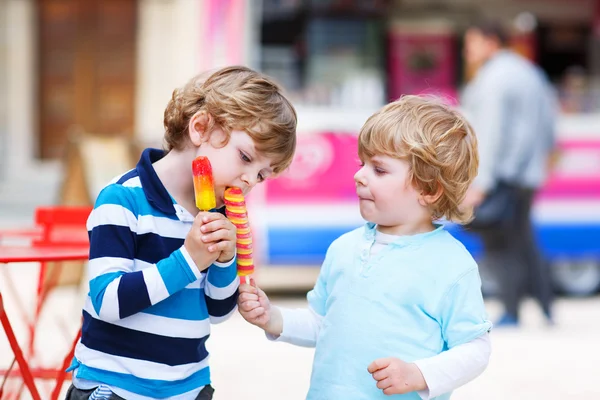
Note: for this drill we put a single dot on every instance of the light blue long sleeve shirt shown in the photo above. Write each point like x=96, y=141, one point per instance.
x=513, y=110
x=419, y=296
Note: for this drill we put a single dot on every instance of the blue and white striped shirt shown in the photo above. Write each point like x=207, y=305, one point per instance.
x=148, y=312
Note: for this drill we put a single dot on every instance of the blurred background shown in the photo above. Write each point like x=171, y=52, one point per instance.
x=84, y=84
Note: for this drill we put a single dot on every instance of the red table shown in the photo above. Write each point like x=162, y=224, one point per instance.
x=16, y=254
x=21, y=254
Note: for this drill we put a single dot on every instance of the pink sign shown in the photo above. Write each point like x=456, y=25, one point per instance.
x=596, y=21
x=223, y=33
x=322, y=171
x=325, y=164
x=577, y=174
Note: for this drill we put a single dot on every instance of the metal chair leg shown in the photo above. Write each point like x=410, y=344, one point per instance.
x=12, y=340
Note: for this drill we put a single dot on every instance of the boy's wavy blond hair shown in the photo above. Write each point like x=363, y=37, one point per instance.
x=437, y=142
x=237, y=98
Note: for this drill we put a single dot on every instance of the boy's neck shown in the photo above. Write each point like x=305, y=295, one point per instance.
x=408, y=229
x=174, y=171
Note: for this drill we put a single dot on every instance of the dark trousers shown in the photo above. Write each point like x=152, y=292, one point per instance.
x=513, y=257
x=77, y=394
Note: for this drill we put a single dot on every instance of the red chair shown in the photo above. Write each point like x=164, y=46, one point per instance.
x=19, y=357
x=62, y=226
x=59, y=227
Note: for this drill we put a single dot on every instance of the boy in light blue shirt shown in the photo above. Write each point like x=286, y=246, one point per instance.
x=397, y=308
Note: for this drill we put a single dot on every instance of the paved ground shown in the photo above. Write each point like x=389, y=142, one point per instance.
x=532, y=362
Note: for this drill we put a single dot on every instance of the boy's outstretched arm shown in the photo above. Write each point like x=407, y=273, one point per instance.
x=300, y=326
x=122, y=280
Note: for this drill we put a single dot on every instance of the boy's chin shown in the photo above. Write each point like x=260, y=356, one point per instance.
x=367, y=216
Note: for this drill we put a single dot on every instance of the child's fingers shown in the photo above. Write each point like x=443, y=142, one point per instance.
x=249, y=305
x=199, y=219
x=253, y=284
x=384, y=384
x=247, y=297
x=216, y=236
x=207, y=217
x=223, y=245
x=255, y=313
x=378, y=364
x=216, y=225
x=258, y=291
x=380, y=374
x=245, y=288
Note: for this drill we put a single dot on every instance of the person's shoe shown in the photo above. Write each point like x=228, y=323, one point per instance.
x=507, y=321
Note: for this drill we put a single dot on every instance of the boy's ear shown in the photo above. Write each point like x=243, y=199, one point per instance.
x=198, y=128
x=428, y=199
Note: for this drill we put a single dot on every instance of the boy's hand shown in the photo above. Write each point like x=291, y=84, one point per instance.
x=199, y=250
x=220, y=234
x=395, y=376
x=255, y=307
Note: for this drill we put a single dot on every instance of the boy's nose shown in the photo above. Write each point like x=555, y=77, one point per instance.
x=359, y=177
x=249, y=182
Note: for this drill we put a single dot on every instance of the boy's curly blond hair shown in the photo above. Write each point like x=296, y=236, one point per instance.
x=237, y=98
x=437, y=142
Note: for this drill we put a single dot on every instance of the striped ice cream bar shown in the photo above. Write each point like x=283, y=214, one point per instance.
x=235, y=208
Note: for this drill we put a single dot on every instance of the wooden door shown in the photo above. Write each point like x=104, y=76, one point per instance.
x=86, y=70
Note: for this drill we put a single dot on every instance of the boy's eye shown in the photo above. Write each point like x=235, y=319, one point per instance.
x=261, y=178
x=361, y=163
x=379, y=171
x=244, y=157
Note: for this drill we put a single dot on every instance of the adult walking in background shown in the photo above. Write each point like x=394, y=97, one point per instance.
x=512, y=109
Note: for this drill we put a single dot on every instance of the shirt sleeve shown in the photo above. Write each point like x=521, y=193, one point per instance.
x=488, y=123
x=462, y=314
x=221, y=290
x=453, y=368
x=117, y=291
x=301, y=327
